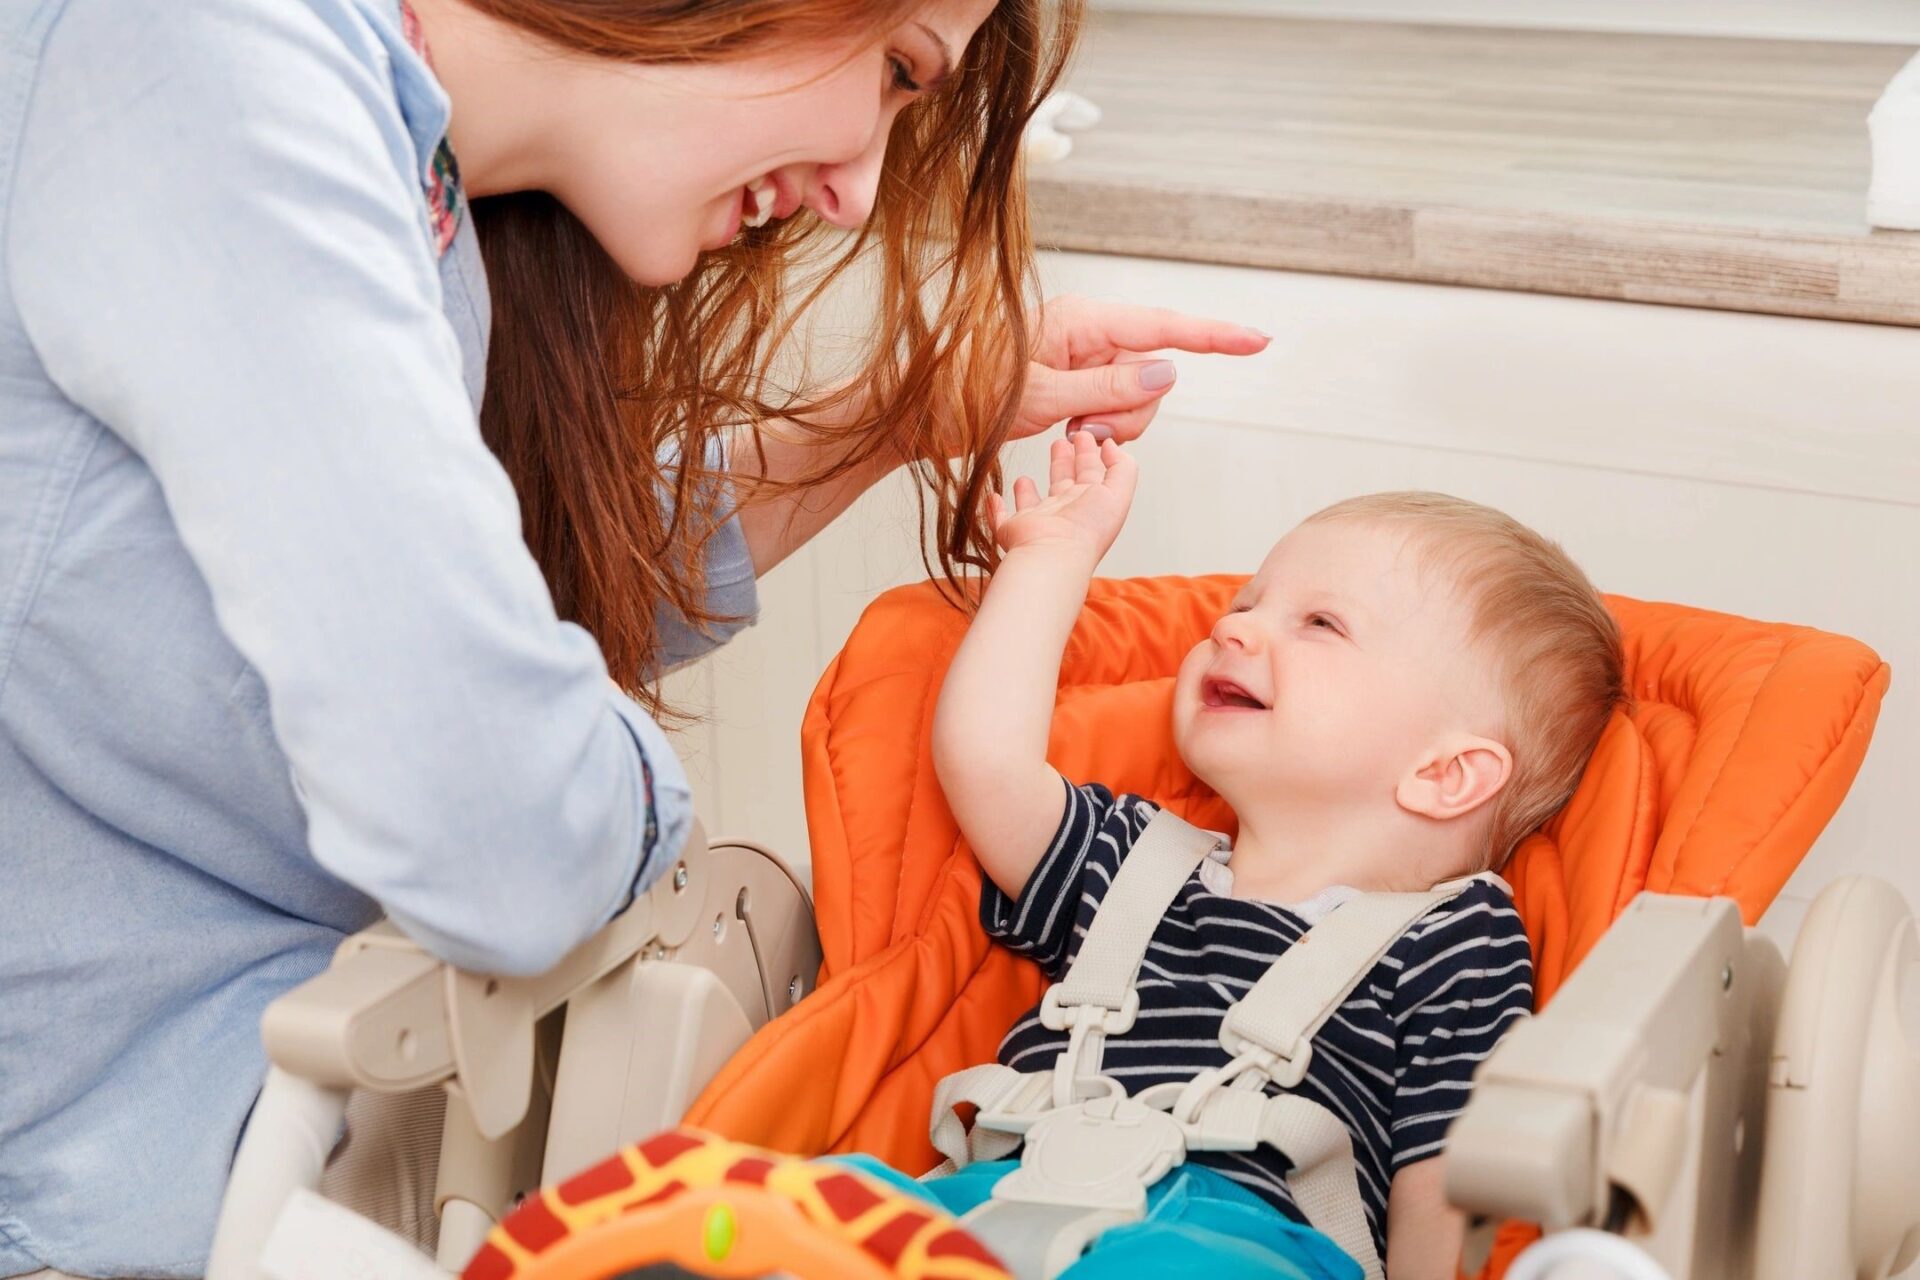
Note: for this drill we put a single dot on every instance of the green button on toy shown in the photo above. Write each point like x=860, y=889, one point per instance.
x=719, y=1233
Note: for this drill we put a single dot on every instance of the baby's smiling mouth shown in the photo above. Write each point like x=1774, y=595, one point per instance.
x=1226, y=695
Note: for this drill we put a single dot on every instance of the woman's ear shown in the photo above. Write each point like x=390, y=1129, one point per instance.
x=1457, y=777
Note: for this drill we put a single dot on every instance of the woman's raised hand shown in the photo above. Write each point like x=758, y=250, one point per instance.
x=1091, y=365
x=1089, y=488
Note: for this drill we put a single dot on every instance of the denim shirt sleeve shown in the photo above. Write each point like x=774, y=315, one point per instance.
x=218, y=256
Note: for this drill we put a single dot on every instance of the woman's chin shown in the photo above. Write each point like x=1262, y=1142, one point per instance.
x=655, y=261
x=658, y=270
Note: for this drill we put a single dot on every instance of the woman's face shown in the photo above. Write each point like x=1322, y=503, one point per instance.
x=664, y=162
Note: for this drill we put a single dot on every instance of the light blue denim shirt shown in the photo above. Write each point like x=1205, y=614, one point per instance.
x=273, y=655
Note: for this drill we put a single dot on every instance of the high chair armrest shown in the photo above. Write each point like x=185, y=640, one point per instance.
x=1626, y=1102
x=655, y=1002
x=389, y=1017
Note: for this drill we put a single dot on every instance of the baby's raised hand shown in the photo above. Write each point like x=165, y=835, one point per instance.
x=1089, y=488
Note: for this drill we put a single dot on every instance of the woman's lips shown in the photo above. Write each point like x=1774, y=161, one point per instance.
x=786, y=200
x=760, y=202
x=734, y=214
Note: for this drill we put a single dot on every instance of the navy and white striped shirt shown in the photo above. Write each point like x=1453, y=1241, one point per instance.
x=1394, y=1063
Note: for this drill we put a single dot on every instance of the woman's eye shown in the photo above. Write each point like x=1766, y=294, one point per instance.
x=902, y=76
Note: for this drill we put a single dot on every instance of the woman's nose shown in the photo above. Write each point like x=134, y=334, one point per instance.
x=844, y=193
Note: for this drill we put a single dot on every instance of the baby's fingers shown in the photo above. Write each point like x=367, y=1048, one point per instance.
x=1123, y=473
x=1059, y=466
x=1025, y=494
x=1088, y=467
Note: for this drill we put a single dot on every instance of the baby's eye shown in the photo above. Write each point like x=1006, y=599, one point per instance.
x=902, y=76
x=1322, y=621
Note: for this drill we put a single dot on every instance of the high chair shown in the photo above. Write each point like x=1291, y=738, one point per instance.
x=543, y=1075
x=1651, y=1097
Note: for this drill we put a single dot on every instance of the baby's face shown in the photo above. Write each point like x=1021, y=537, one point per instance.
x=1337, y=666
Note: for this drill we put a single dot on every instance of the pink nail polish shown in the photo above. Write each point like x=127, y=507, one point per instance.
x=1100, y=431
x=1156, y=374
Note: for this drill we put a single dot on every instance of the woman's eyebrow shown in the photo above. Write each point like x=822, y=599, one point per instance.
x=946, y=55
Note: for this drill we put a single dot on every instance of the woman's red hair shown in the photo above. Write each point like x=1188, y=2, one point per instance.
x=595, y=385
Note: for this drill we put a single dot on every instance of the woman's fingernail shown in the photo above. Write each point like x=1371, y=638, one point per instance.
x=1100, y=431
x=1156, y=374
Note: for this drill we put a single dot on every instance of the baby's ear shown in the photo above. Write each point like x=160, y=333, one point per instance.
x=1458, y=776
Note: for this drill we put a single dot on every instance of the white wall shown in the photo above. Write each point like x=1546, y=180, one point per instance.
x=1755, y=464
x=1889, y=21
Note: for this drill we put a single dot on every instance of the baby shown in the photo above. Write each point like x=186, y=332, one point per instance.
x=1408, y=686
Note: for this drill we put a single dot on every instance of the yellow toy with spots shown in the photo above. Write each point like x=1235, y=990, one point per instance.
x=715, y=1208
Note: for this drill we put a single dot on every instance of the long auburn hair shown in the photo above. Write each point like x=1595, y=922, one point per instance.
x=604, y=396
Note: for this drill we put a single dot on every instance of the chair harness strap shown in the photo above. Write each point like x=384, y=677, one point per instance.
x=1088, y=1152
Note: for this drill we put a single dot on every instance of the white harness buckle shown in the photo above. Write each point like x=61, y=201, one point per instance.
x=1100, y=1154
x=1055, y=1016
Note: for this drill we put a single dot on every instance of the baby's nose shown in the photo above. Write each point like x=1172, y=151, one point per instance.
x=1236, y=629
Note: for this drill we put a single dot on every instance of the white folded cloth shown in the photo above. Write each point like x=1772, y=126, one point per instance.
x=1046, y=140
x=1893, y=198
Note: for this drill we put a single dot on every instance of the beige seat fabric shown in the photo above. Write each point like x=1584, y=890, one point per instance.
x=385, y=1168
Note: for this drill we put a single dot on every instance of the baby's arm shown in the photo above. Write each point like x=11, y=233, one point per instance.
x=990, y=730
x=1424, y=1232
x=1466, y=977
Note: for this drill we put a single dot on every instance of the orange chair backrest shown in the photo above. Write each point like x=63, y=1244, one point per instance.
x=1741, y=743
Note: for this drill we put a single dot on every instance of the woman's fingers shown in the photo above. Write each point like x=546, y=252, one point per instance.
x=1124, y=427
x=1097, y=329
x=1127, y=424
x=1106, y=392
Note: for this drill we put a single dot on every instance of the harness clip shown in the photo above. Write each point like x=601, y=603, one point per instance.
x=1284, y=1068
x=1055, y=1016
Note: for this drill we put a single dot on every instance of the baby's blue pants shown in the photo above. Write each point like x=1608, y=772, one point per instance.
x=1200, y=1225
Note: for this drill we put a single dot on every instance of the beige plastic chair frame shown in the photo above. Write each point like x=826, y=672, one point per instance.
x=1731, y=1116
x=653, y=1005
x=1727, y=1116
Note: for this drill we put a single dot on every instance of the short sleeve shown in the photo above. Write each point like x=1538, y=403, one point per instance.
x=732, y=591
x=1095, y=832
x=1466, y=978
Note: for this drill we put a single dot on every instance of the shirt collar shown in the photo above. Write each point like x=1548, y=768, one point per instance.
x=424, y=105
x=1216, y=877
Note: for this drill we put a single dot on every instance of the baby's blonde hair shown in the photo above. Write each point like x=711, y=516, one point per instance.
x=1536, y=614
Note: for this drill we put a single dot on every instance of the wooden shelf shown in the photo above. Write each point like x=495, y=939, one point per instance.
x=1695, y=171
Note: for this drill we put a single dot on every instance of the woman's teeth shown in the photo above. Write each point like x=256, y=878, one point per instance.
x=763, y=194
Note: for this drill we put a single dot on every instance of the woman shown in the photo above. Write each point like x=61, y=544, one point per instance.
x=283, y=643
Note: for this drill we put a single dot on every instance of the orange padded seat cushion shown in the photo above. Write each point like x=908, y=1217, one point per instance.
x=1742, y=742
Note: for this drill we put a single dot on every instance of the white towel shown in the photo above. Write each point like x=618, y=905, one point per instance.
x=1893, y=199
